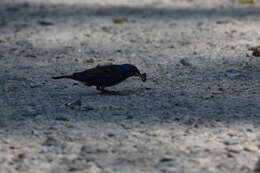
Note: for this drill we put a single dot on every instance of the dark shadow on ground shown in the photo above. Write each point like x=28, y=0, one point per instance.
x=216, y=98
x=173, y=103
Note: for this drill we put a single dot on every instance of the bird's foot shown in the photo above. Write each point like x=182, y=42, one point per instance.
x=103, y=91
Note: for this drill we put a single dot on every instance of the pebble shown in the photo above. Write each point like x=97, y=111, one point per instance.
x=50, y=141
x=231, y=142
x=234, y=148
x=86, y=149
x=156, y=133
x=16, y=147
x=74, y=104
x=93, y=168
x=256, y=51
x=185, y=62
x=251, y=148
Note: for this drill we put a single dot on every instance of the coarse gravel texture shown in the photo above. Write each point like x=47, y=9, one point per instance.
x=199, y=110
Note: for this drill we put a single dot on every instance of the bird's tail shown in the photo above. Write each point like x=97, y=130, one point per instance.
x=61, y=77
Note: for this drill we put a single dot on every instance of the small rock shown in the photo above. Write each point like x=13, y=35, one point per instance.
x=106, y=29
x=15, y=147
x=91, y=149
x=21, y=156
x=251, y=148
x=231, y=142
x=156, y=133
x=249, y=130
x=87, y=149
x=50, y=141
x=33, y=85
x=231, y=155
x=200, y=23
x=18, y=160
x=126, y=126
x=185, y=62
x=256, y=51
x=110, y=135
x=234, y=148
x=207, y=150
x=69, y=125
x=74, y=104
x=93, y=168
x=176, y=119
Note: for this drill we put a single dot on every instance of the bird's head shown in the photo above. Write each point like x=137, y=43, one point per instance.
x=132, y=70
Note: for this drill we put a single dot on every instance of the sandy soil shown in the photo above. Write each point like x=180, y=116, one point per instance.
x=197, y=112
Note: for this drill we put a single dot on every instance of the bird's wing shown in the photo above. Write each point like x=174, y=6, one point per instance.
x=106, y=71
x=113, y=71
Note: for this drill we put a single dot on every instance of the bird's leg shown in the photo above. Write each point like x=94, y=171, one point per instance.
x=103, y=91
x=98, y=87
x=101, y=88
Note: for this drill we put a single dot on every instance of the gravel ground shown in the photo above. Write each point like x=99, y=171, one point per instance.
x=197, y=112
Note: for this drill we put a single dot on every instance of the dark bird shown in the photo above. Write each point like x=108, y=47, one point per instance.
x=105, y=76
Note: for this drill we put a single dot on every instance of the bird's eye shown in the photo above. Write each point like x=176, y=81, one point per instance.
x=136, y=73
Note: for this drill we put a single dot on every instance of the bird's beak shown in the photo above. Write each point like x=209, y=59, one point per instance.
x=137, y=73
x=142, y=76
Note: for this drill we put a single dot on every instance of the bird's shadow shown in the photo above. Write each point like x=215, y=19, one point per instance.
x=124, y=92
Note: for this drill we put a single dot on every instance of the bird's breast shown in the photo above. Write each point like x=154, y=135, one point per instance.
x=112, y=81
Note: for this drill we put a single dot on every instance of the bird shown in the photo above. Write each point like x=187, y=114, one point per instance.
x=103, y=76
